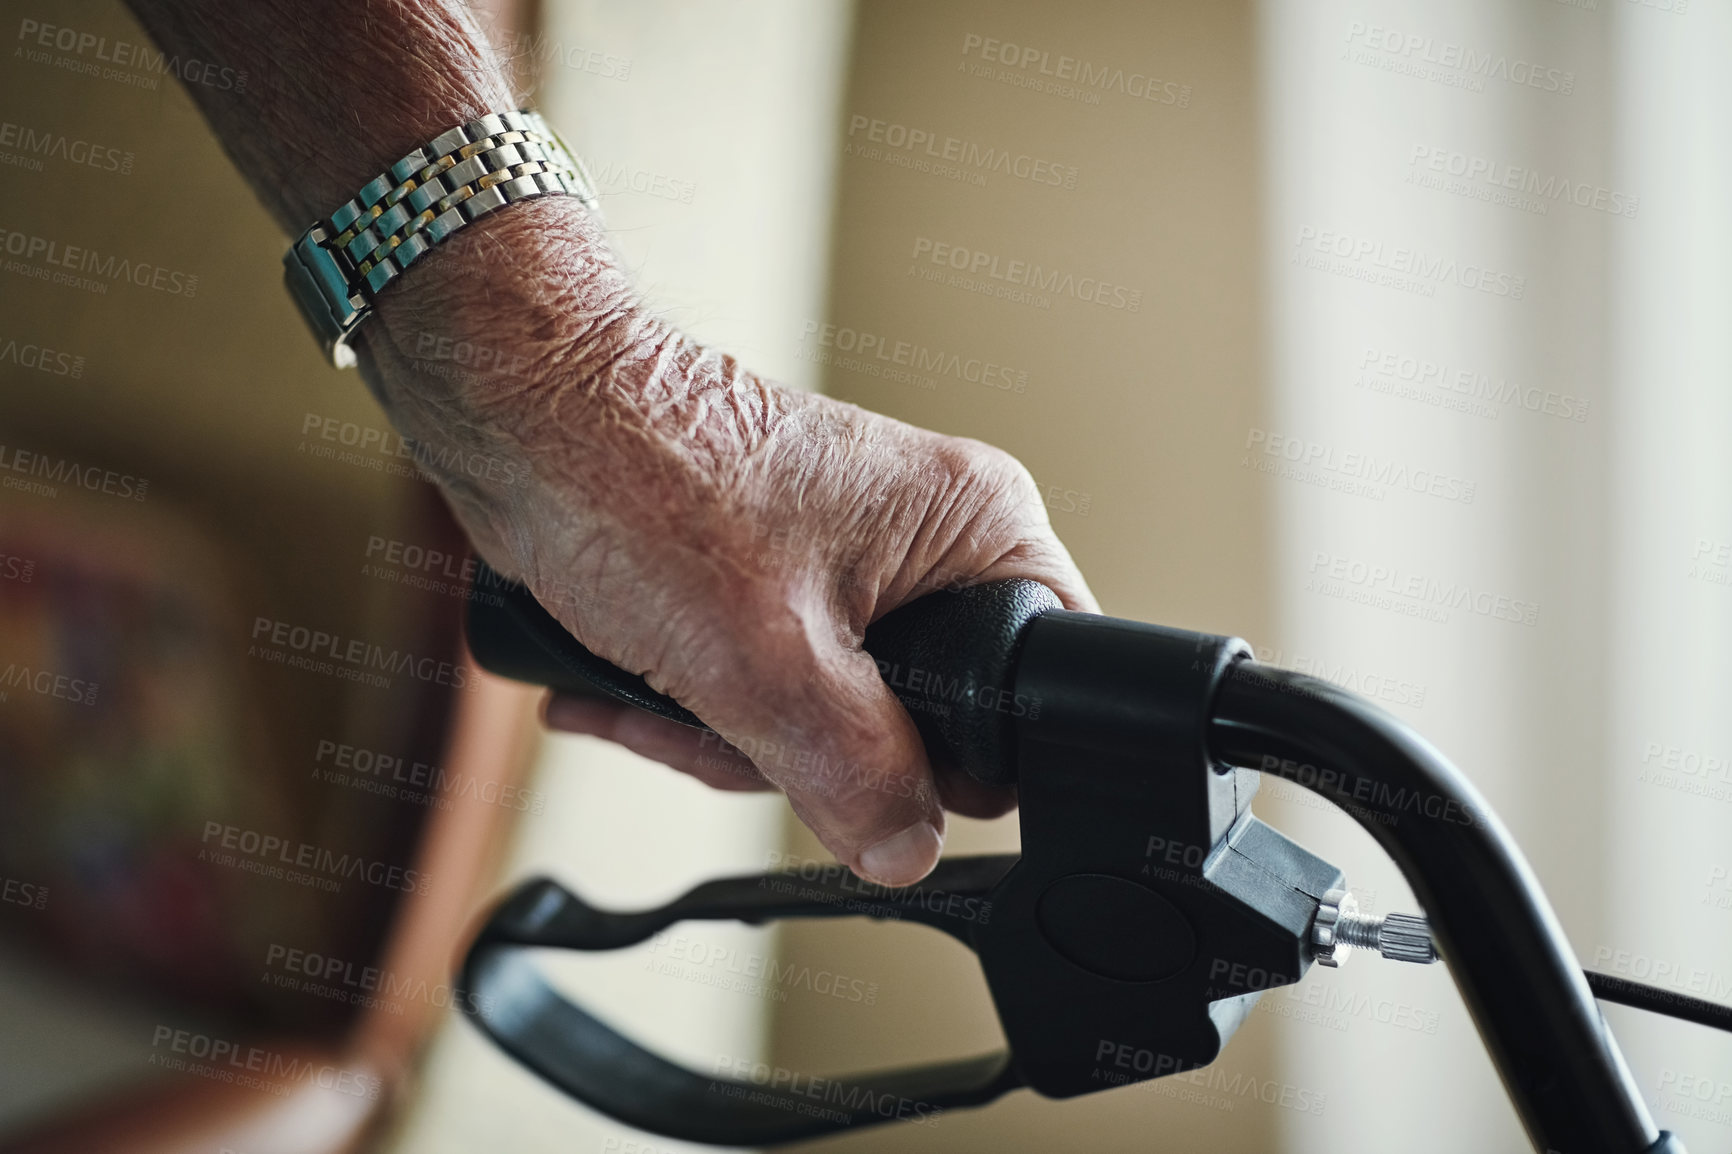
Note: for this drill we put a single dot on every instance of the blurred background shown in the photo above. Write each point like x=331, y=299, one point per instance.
x=1371, y=294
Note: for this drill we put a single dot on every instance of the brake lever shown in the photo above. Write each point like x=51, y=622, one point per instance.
x=594, y=1063
x=1108, y=962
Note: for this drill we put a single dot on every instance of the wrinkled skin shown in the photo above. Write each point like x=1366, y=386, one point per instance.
x=726, y=537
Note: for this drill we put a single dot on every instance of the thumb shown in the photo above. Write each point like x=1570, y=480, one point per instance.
x=855, y=770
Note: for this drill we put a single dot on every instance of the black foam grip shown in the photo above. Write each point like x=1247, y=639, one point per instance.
x=950, y=657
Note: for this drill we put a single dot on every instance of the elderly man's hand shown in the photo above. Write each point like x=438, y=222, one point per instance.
x=728, y=538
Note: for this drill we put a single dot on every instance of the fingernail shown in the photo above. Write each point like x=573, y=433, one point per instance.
x=903, y=858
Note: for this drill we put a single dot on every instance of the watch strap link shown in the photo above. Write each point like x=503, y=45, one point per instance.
x=339, y=264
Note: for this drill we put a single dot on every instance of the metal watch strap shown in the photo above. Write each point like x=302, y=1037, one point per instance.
x=338, y=265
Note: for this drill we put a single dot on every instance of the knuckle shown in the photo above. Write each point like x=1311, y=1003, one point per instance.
x=1021, y=485
x=976, y=467
x=965, y=456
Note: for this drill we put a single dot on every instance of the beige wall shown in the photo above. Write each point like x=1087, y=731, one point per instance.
x=1137, y=414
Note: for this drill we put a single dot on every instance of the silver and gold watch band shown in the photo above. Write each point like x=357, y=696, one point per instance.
x=337, y=266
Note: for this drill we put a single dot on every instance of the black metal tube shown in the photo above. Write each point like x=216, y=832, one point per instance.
x=1509, y=956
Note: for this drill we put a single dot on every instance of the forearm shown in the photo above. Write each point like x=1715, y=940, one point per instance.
x=338, y=90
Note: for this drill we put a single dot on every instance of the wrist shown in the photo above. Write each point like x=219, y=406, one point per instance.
x=491, y=325
x=517, y=351
x=519, y=344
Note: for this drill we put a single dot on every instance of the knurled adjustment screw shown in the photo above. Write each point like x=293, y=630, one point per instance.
x=1339, y=927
